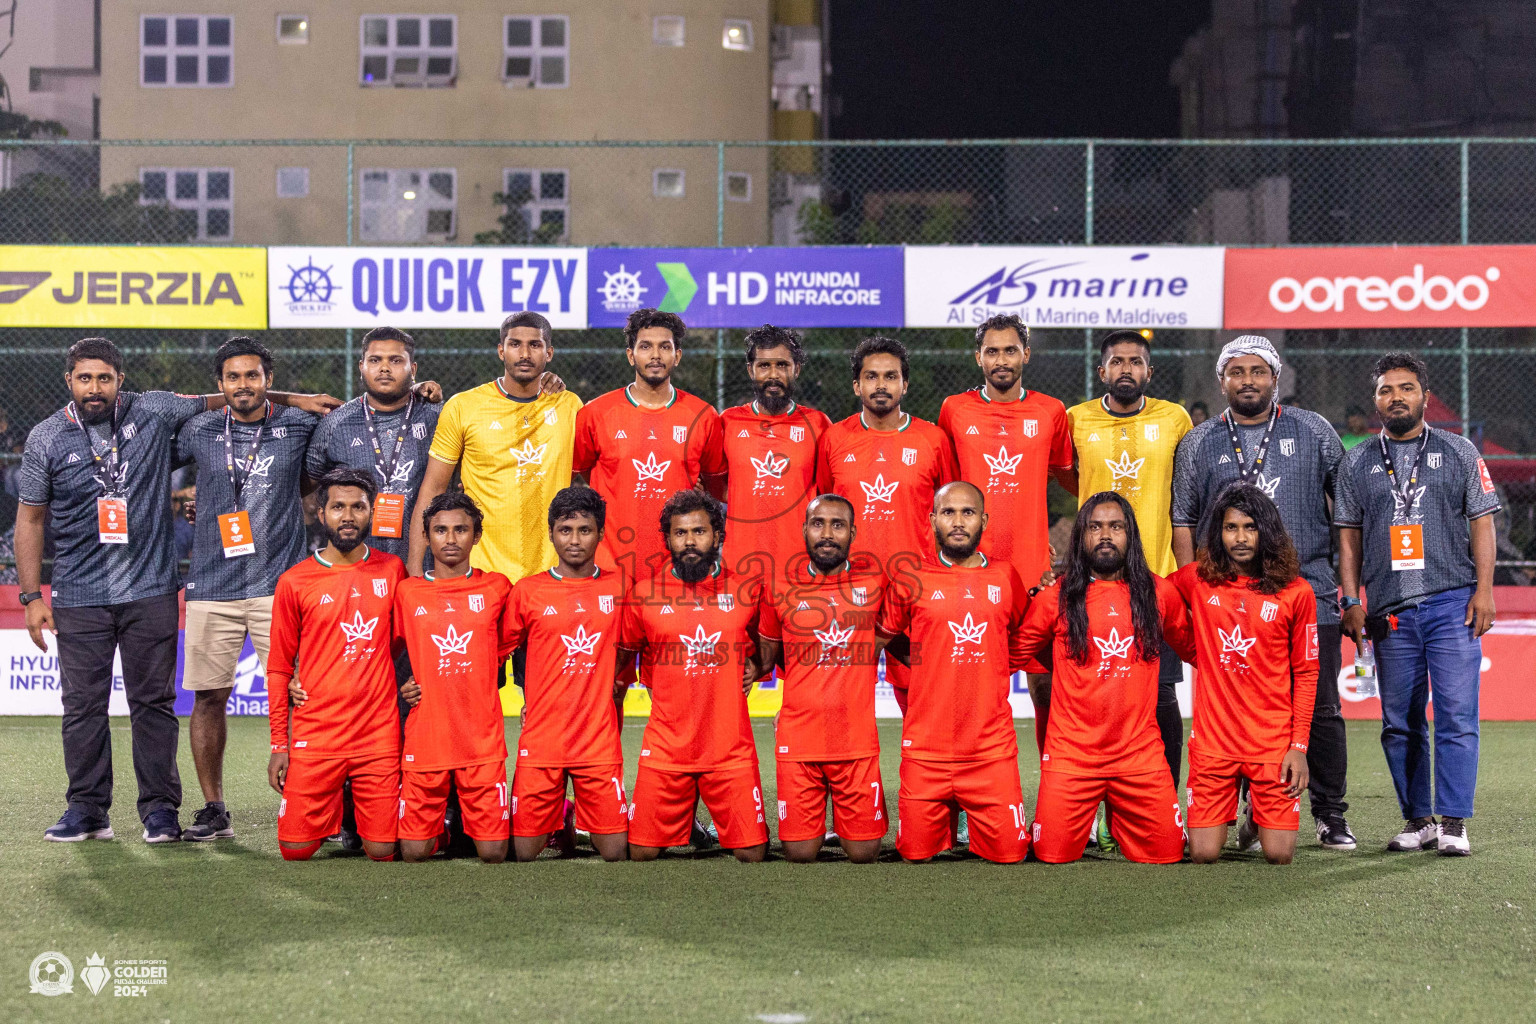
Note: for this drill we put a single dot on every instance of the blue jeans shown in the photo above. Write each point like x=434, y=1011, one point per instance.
x=1431, y=643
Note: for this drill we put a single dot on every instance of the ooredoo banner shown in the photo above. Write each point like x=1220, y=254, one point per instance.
x=1402, y=286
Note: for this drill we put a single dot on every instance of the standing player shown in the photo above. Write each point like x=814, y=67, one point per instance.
x=1255, y=623
x=1102, y=626
x=511, y=442
x=1126, y=443
x=694, y=626
x=567, y=619
x=772, y=448
x=332, y=625
x=1014, y=439
x=958, y=748
x=823, y=623
x=888, y=464
x=646, y=441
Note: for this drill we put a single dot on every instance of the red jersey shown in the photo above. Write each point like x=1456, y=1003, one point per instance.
x=336, y=623
x=1104, y=711
x=569, y=627
x=827, y=626
x=1257, y=667
x=637, y=458
x=776, y=469
x=694, y=640
x=890, y=476
x=961, y=622
x=1008, y=450
x=456, y=633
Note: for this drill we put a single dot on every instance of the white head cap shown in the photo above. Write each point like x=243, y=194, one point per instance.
x=1249, y=345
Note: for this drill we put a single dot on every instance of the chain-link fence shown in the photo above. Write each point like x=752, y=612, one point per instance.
x=1268, y=192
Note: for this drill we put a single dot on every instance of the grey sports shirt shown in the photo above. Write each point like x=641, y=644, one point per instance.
x=58, y=470
x=1453, y=488
x=1298, y=474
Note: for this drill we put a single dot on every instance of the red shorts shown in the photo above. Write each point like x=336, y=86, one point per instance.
x=934, y=793
x=858, y=799
x=311, y=804
x=1144, y=816
x=482, y=801
x=538, y=799
x=661, y=813
x=1212, y=794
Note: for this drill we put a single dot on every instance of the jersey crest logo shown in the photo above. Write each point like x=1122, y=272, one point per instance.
x=419, y=431
x=680, y=435
x=1031, y=428
x=1002, y=463
x=453, y=643
x=650, y=469
x=605, y=603
x=1287, y=446
x=74, y=457
x=357, y=630
x=279, y=431
x=1125, y=467
x=326, y=599
x=528, y=455
x=129, y=431
x=495, y=425
x=972, y=429
x=1434, y=460
x=421, y=610
x=551, y=417
x=258, y=466
x=1115, y=645
x=743, y=433
x=1268, y=610
x=549, y=609
x=1234, y=642
x=968, y=632
x=1093, y=436
x=477, y=602
x=850, y=458
x=879, y=490
x=770, y=466
x=725, y=602
x=859, y=595
x=1151, y=430
x=1268, y=485
x=701, y=644
x=833, y=636
x=909, y=456
x=381, y=588
x=357, y=442
x=582, y=643
x=402, y=472
x=994, y=594
x=797, y=433
x=1213, y=600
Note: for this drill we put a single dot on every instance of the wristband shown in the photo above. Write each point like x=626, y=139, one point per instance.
x=26, y=599
x=1299, y=746
x=279, y=748
x=1346, y=603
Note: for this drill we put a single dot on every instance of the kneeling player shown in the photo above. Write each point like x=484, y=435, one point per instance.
x=1102, y=625
x=823, y=623
x=958, y=748
x=333, y=616
x=1255, y=624
x=694, y=624
x=566, y=619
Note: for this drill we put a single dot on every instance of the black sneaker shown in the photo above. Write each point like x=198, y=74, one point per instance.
x=162, y=827
x=77, y=826
x=347, y=839
x=702, y=836
x=1334, y=834
x=212, y=822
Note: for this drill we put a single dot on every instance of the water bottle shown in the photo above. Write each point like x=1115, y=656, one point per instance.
x=1365, y=669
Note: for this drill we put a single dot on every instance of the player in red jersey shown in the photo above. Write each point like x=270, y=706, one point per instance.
x=641, y=444
x=821, y=627
x=694, y=625
x=1102, y=627
x=958, y=749
x=773, y=452
x=1255, y=623
x=566, y=619
x=333, y=619
x=1016, y=440
x=889, y=464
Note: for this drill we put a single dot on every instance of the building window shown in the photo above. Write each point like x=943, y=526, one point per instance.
x=293, y=29
x=668, y=183
x=538, y=51
x=544, y=199
x=737, y=34
x=408, y=204
x=205, y=195
x=738, y=187
x=186, y=51
x=668, y=30
x=292, y=182
x=409, y=50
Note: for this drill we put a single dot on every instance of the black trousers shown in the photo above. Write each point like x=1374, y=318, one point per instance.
x=144, y=633
x=1327, y=750
x=1170, y=672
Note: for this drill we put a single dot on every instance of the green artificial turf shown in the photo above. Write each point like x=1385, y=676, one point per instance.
x=248, y=937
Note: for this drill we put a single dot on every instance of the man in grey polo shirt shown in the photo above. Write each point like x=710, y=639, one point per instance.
x=1415, y=510
x=1292, y=455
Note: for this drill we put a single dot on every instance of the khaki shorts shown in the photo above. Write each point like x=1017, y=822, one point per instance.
x=216, y=632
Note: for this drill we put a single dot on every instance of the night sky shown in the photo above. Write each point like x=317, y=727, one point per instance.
x=990, y=69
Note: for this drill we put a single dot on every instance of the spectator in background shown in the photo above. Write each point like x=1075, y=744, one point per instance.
x=1357, y=427
x=182, y=530
x=1199, y=412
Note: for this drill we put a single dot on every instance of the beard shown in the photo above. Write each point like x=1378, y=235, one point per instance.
x=774, y=402
x=959, y=552
x=1402, y=422
x=694, y=564
x=1003, y=377
x=1127, y=390
x=827, y=557
x=1105, y=562
x=346, y=544
x=1249, y=405
x=94, y=418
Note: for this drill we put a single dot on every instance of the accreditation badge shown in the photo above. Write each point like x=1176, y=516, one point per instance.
x=112, y=520
x=1407, y=547
x=235, y=534
x=389, y=515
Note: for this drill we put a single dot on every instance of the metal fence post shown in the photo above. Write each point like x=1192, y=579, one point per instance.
x=346, y=369
x=720, y=240
x=1088, y=359
x=351, y=199
x=1466, y=355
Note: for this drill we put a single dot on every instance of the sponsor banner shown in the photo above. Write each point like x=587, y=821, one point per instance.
x=1402, y=286
x=132, y=286
x=809, y=286
x=412, y=286
x=1065, y=286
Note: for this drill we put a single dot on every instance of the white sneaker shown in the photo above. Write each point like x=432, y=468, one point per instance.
x=1453, y=838
x=1418, y=834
